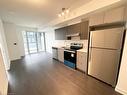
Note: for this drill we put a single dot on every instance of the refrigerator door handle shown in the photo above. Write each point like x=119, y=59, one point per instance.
x=90, y=39
x=90, y=48
x=89, y=54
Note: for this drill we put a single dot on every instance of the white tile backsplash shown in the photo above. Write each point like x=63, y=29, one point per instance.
x=61, y=43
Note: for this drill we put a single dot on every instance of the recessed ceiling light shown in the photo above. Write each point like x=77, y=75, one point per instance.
x=59, y=15
x=62, y=13
x=67, y=11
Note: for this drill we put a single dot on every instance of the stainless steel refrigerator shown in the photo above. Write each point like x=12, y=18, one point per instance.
x=104, y=54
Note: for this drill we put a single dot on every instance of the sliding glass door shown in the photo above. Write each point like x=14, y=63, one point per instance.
x=34, y=42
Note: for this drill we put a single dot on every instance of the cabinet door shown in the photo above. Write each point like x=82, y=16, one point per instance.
x=82, y=61
x=125, y=15
x=76, y=28
x=69, y=29
x=84, y=30
x=60, y=34
x=114, y=15
x=72, y=29
x=96, y=19
x=61, y=54
x=79, y=60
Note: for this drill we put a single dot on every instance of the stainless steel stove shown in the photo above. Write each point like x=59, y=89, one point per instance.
x=70, y=54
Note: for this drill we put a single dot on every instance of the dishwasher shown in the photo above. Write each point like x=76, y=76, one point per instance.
x=55, y=53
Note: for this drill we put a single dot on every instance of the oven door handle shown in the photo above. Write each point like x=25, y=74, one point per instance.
x=70, y=51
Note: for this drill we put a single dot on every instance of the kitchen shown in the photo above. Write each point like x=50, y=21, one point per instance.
x=63, y=47
x=97, y=39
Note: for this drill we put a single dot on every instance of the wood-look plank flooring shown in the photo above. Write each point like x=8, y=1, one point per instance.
x=39, y=74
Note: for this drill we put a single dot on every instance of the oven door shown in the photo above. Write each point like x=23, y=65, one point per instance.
x=70, y=58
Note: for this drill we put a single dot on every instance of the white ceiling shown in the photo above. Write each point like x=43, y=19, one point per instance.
x=34, y=13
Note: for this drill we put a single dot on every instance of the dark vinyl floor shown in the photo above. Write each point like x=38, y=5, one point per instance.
x=39, y=74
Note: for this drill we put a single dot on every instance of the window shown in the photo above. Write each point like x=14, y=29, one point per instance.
x=34, y=42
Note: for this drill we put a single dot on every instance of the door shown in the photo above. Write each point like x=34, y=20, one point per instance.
x=60, y=34
x=84, y=30
x=108, y=38
x=70, y=56
x=34, y=42
x=103, y=64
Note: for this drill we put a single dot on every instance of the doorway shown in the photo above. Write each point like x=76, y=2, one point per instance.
x=34, y=42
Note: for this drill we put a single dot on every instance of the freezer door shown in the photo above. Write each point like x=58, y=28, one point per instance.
x=103, y=65
x=108, y=38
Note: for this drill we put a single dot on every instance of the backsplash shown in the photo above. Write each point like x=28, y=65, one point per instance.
x=61, y=43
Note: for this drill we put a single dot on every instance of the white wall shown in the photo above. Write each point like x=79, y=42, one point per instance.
x=13, y=35
x=50, y=38
x=3, y=77
x=122, y=80
x=4, y=47
x=19, y=30
x=4, y=62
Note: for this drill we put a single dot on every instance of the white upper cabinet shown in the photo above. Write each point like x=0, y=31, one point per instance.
x=96, y=19
x=125, y=16
x=109, y=16
x=114, y=15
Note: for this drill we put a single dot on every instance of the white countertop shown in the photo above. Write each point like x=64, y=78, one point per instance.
x=83, y=50
x=58, y=46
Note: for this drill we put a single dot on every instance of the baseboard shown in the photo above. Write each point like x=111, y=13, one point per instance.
x=121, y=91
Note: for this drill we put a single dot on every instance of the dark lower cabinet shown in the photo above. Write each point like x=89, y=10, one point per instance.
x=82, y=28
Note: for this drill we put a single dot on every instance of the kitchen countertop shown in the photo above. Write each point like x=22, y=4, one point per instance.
x=83, y=50
x=57, y=47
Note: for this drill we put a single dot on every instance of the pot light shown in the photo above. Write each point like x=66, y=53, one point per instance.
x=59, y=15
x=62, y=13
x=67, y=11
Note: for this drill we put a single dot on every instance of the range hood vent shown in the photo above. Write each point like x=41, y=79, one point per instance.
x=73, y=35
